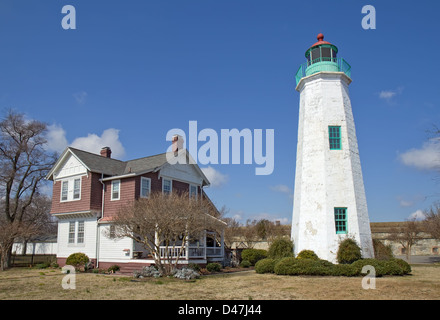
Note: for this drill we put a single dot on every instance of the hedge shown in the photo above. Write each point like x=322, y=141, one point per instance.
x=265, y=265
x=253, y=255
x=318, y=267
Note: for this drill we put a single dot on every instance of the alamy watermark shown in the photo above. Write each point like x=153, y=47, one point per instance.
x=257, y=147
x=69, y=280
x=369, y=281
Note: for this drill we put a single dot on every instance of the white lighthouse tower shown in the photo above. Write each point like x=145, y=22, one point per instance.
x=329, y=200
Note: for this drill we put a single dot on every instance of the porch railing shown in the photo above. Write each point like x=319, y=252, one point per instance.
x=193, y=252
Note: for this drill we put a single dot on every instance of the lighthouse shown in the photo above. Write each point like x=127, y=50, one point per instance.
x=329, y=202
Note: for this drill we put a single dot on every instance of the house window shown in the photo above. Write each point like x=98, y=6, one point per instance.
x=341, y=220
x=64, y=190
x=116, y=189
x=76, y=189
x=80, y=235
x=193, y=191
x=112, y=232
x=334, y=134
x=76, y=232
x=145, y=187
x=435, y=250
x=72, y=232
x=71, y=189
x=166, y=186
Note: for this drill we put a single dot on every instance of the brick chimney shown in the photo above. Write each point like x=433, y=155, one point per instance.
x=106, y=152
x=177, y=144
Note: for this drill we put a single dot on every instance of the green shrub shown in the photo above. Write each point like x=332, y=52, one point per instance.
x=348, y=251
x=43, y=265
x=307, y=254
x=113, y=268
x=194, y=266
x=280, y=248
x=213, y=267
x=265, y=265
x=253, y=255
x=404, y=265
x=381, y=251
x=346, y=270
x=246, y=264
x=391, y=268
x=293, y=266
x=77, y=260
x=377, y=264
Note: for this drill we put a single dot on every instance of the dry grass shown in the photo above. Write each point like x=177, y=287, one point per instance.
x=45, y=284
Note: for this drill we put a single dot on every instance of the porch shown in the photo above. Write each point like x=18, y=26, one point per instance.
x=209, y=247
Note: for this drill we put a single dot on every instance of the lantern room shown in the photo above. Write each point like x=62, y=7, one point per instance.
x=322, y=56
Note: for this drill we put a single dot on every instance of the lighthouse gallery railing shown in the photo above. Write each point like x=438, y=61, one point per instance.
x=323, y=64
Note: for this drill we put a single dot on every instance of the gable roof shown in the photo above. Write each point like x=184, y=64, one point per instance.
x=115, y=168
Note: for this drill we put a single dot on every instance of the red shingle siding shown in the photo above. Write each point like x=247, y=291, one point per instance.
x=127, y=194
x=90, y=196
x=179, y=186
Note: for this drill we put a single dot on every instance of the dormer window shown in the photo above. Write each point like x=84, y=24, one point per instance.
x=71, y=189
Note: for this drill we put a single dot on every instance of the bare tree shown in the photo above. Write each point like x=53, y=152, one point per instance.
x=232, y=231
x=24, y=162
x=38, y=215
x=431, y=224
x=408, y=234
x=164, y=224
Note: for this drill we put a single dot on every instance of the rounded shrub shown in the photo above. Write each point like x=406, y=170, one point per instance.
x=265, y=265
x=381, y=251
x=280, y=248
x=194, y=266
x=245, y=264
x=213, y=267
x=403, y=264
x=391, y=268
x=348, y=251
x=77, y=260
x=113, y=268
x=253, y=255
x=307, y=254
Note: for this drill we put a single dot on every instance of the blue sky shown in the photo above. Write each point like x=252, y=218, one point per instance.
x=132, y=70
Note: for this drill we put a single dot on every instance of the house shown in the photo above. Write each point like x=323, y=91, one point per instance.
x=89, y=189
x=425, y=244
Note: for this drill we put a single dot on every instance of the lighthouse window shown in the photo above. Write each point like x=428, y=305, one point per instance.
x=334, y=134
x=316, y=54
x=326, y=54
x=341, y=220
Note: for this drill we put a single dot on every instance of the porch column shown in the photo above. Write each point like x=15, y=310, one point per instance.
x=156, y=243
x=222, y=243
x=204, y=244
x=187, y=248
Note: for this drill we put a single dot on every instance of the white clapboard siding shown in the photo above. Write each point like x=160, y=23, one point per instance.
x=88, y=247
x=113, y=249
x=36, y=248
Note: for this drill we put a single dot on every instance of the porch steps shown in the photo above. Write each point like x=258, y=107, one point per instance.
x=128, y=269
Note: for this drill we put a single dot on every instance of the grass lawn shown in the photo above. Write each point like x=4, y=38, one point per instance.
x=45, y=284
